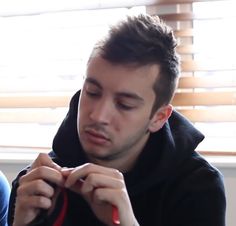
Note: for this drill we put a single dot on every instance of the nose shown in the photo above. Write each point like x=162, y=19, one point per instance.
x=101, y=111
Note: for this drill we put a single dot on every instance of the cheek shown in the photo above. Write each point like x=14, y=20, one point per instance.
x=134, y=122
x=82, y=112
x=84, y=104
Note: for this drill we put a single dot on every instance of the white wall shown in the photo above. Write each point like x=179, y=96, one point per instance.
x=230, y=187
x=228, y=170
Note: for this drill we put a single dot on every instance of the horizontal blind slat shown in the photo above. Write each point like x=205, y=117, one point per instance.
x=186, y=49
x=188, y=17
x=32, y=116
x=191, y=65
x=207, y=82
x=167, y=2
x=204, y=98
x=188, y=32
x=210, y=114
x=35, y=101
x=29, y=85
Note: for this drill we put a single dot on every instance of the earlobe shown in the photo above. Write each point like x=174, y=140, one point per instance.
x=160, y=117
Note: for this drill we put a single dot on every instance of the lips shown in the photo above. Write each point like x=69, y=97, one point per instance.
x=96, y=137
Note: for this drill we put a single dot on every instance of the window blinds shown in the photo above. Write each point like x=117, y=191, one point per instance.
x=207, y=88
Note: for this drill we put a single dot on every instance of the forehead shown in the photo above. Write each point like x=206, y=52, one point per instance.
x=118, y=76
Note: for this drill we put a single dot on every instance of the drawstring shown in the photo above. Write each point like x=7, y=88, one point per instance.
x=59, y=221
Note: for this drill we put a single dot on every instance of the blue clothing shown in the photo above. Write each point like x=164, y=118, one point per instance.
x=4, y=199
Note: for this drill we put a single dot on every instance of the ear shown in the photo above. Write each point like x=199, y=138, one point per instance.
x=160, y=117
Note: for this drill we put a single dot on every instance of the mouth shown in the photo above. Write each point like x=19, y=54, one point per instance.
x=96, y=137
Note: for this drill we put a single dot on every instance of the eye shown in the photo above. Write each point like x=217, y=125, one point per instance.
x=124, y=106
x=92, y=91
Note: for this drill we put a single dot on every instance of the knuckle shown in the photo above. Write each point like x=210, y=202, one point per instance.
x=89, y=166
x=21, y=202
x=41, y=171
x=98, y=194
x=90, y=178
x=42, y=187
x=22, y=179
x=118, y=174
x=123, y=194
x=41, y=157
x=38, y=184
x=43, y=202
x=120, y=184
x=19, y=191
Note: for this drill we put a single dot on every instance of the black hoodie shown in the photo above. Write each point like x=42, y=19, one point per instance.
x=170, y=184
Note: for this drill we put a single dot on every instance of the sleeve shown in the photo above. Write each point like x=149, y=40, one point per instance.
x=11, y=208
x=4, y=199
x=199, y=200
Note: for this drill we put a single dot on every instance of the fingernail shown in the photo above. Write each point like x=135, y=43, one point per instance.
x=66, y=169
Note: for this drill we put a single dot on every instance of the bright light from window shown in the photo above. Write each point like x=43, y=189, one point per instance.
x=215, y=41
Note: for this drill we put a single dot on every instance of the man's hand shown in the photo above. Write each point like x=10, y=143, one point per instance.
x=35, y=191
x=103, y=188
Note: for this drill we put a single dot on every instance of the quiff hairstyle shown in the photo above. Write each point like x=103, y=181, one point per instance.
x=144, y=40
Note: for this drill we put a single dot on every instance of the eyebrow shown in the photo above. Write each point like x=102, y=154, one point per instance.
x=118, y=94
x=130, y=96
x=94, y=82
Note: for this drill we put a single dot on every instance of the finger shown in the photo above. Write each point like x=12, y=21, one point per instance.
x=76, y=187
x=45, y=173
x=66, y=171
x=83, y=171
x=36, y=187
x=34, y=201
x=55, y=166
x=113, y=196
x=95, y=180
x=119, y=200
x=43, y=159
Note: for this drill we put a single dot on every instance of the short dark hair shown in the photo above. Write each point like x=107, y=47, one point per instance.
x=143, y=40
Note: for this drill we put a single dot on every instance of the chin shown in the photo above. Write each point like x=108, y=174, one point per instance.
x=95, y=157
x=95, y=152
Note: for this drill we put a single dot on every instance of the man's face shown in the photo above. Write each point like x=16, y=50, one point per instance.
x=114, y=109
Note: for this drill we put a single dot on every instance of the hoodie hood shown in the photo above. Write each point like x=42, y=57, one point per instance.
x=164, y=152
x=66, y=145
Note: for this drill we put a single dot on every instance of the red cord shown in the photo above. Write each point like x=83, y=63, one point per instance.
x=115, y=215
x=59, y=221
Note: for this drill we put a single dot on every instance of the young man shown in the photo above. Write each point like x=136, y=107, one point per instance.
x=122, y=155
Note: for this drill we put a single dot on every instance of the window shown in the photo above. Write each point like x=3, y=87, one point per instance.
x=44, y=50
x=215, y=41
x=207, y=88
